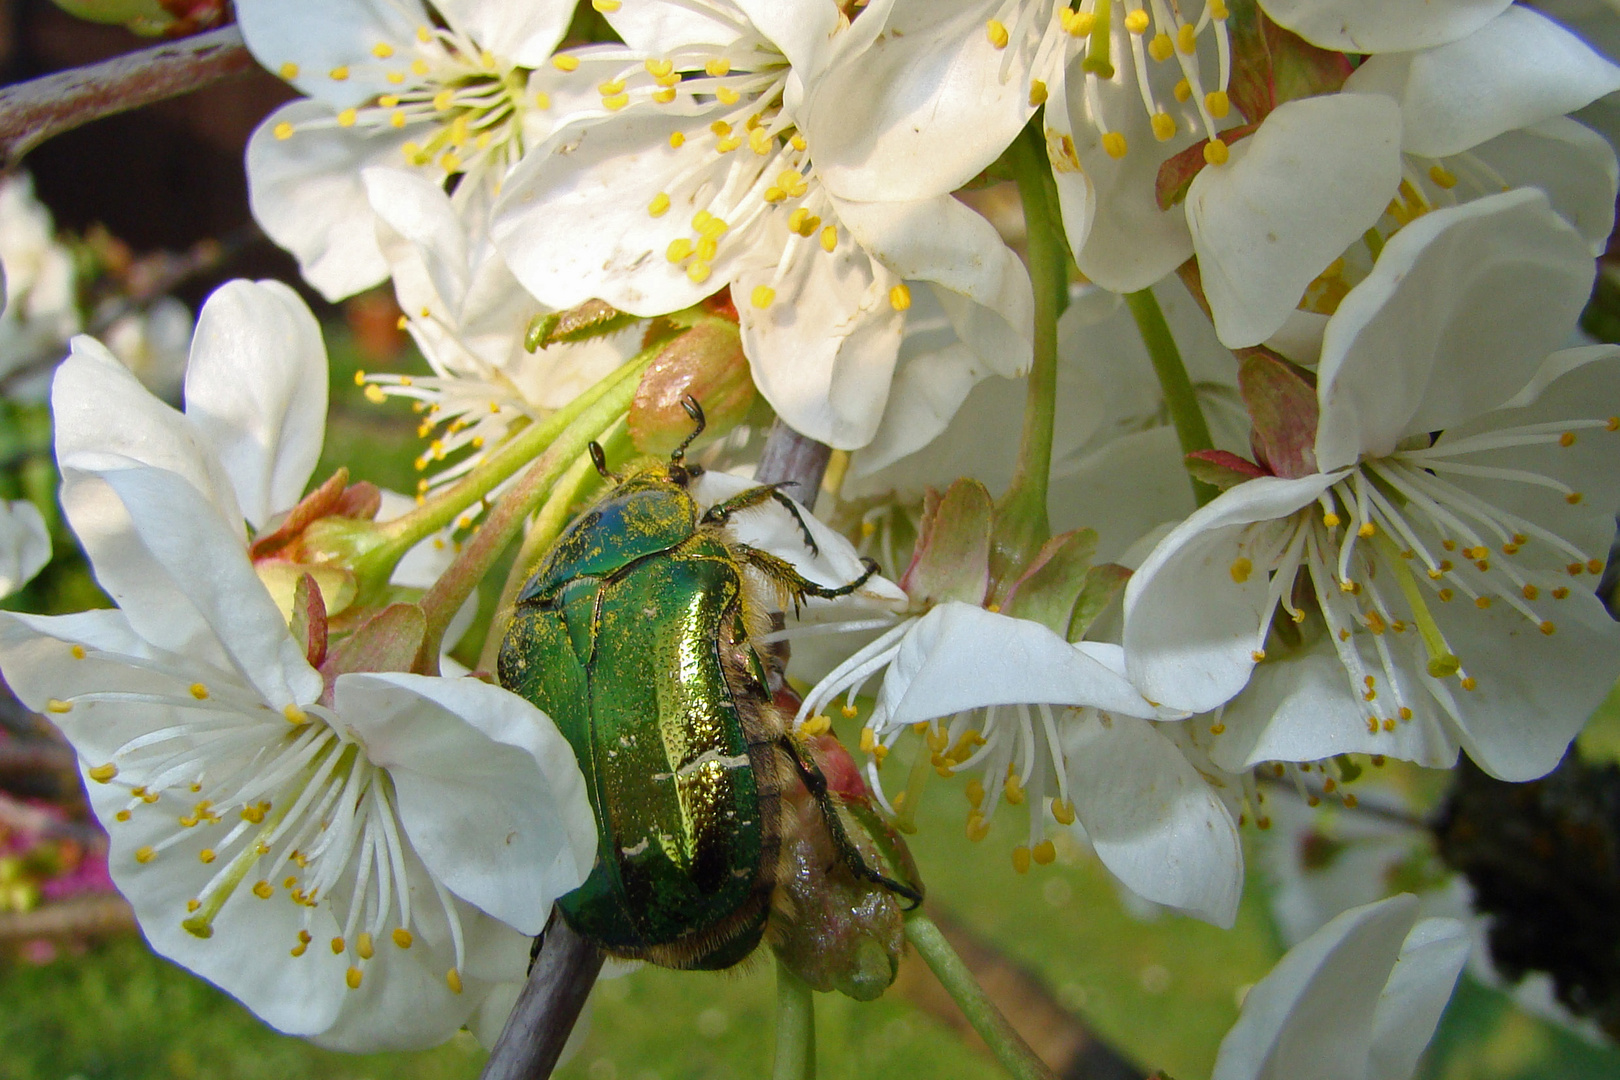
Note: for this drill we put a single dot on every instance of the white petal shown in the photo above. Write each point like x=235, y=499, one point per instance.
x=922, y=110
x=800, y=30
x=422, y=215
x=1121, y=238
x=306, y=194
x=1408, y=350
x=1191, y=624
x=1303, y=708
x=189, y=591
x=660, y=27
x=489, y=791
x=106, y=418
x=1409, y=1008
x=1311, y=1018
x=573, y=223
x=823, y=353
x=1370, y=26
x=1153, y=820
x=961, y=657
x=321, y=36
x=256, y=389
x=933, y=376
x=1573, y=164
x=25, y=545
x=982, y=284
x=523, y=34
x=1314, y=177
x=1516, y=70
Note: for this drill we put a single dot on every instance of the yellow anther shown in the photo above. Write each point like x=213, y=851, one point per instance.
x=1161, y=48
x=763, y=296
x=1013, y=791
x=289, y=71
x=1063, y=812
x=1217, y=729
x=338, y=74
x=1044, y=853
x=659, y=69
x=452, y=979
x=679, y=248
x=728, y=144
x=122, y=815
x=717, y=66
x=206, y=855
x=698, y=272
x=1613, y=424
x=283, y=130
x=58, y=706
x=1164, y=126
x=1331, y=520
x=829, y=238
x=977, y=827
x=144, y=855
x=996, y=31
x=1137, y=21
x=1078, y=23
x=706, y=249
x=382, y=50
x=1240, y=569
x=974, y=792
x=659, y=205
x=101, y=774
x=1218, y=104
x=1215, y=152
x=420, y=67
x=395, y=78
x=1442, y=177
x=615, y=102
x=1183, y=91
x=1020, y=859
x=725, y=95
x=424, y=34
x=1351, y=587
x=375, y=395
x=1114, y=145
x=352, y=978
x=760, y=141
x=1262, y=822
x=78, y=652
x=1367, y=531
x=295, y=716
x=607, y=7
x=1567, y=439
x=1257, y=655
x=1559, y=593
x=900, y=297
x=1482, y=602
x=816, y=725
x=193, y=904
x=610, y=87
x=1445, y=595
x=1467, y=682
x=1574, y=499
x=849, y=711
x=798, y=143
x=1037, y=93
x=774, y=194
x=1187, y=39
x=1217, y=9
x=792, y=182
x=362, y=946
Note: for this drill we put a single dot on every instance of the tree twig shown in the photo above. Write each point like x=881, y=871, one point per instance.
x=41, y=109
x=97, y=914
x=559, y=982
x=791, y=458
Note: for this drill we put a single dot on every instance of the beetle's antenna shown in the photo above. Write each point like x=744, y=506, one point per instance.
x=599, y=459
x=695, y=411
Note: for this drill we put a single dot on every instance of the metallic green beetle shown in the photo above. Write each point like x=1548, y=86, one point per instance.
x=637, y=636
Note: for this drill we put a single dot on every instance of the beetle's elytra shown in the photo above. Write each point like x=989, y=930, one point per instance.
x=636, y=634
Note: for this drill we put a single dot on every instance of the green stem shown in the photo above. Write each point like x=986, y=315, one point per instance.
x=1008, y=1046
x=1179, y=396
x=795, y=1027
x=404, y=533
x=506, y=517
x=1022, y=524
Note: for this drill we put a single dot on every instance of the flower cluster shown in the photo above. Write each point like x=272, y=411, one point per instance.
x=1264, y=446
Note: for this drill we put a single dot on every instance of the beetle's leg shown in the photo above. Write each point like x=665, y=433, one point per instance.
x=816, y=783
x=794, y=583
x=720, y=512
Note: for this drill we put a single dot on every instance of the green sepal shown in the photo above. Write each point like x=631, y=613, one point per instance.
x=592, y=319
x=1049, y=588
x=952, y=557
x=1103, y=583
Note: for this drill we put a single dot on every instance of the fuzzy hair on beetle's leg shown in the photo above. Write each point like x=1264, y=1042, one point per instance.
x=781, y=573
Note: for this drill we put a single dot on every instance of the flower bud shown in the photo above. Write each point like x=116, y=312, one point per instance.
x=705, y=362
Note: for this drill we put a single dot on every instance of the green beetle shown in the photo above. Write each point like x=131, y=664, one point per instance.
x=637, y=635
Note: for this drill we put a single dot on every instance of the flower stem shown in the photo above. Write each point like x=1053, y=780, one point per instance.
x=1022, y=524
x=506, y=517
x=1191, y=429
x=795, y=1027
x=405, y=532
x=1008, y=1046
